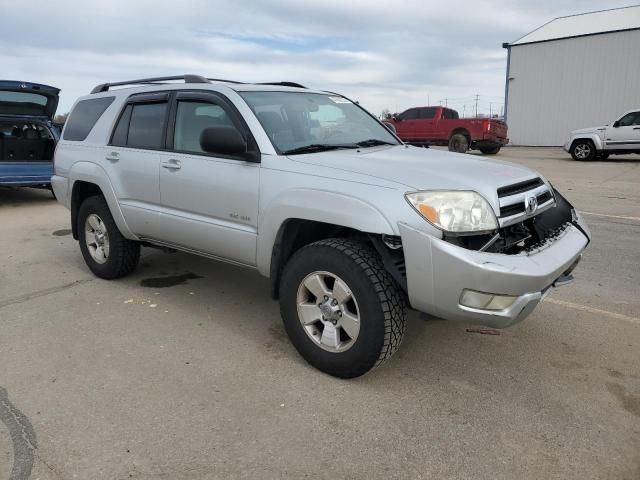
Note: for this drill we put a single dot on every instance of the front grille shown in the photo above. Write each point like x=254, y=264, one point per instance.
x=516, y=208
x=519, y=187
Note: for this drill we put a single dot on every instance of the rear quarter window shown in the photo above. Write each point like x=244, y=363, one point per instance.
x=84, y=117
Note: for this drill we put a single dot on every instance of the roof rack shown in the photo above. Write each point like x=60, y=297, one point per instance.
x=283, y=84
x=104, y=87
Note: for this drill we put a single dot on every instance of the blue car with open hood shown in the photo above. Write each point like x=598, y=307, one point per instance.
x=28, y=135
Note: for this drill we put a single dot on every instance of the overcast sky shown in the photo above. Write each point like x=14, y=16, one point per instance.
x=386, y=54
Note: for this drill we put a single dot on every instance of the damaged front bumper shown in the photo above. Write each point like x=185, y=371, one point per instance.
x=440, y=275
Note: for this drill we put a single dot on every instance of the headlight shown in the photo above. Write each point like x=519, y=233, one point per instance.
x=455, y=211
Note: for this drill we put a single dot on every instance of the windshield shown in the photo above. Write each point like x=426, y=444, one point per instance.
x=299, y=122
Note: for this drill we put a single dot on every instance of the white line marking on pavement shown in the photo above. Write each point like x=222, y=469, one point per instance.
x=636, y=219
x=618, y=316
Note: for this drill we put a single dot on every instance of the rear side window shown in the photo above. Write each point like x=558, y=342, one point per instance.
x=449, y=114
x=146, y=126
x=141, y=125
x=84, y=117
x=427, y=113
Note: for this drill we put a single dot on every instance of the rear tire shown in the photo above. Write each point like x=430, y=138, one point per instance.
x=458, y=143
x=490, y=150
x=583, y=150
x=106, y=252
x=339, y=269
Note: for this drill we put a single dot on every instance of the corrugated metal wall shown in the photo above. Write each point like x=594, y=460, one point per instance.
x=563, y=85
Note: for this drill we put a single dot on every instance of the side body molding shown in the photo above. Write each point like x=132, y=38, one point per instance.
x=315, y=205
x=92, y=173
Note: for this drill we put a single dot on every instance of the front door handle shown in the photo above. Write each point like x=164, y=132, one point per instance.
x=113, y=156
x=636, y=128
x=172, y=164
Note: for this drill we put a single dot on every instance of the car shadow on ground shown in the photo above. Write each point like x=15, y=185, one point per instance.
x=14, y=197
x=238, y=300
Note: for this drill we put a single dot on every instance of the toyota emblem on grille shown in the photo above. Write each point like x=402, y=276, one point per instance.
x=531, y=205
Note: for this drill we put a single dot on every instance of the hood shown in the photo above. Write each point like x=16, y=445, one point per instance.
x=424, y=169
x=28, y=99
x=589, y=130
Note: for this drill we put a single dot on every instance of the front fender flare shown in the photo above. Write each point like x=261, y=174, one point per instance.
x=594, y=137
x=320, y=206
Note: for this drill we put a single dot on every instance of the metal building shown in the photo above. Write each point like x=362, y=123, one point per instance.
x=573, y=72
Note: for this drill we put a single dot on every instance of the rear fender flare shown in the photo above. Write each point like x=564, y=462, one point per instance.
x=92, y=173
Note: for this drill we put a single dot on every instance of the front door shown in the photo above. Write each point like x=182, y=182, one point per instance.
x=210, y=202
x=626, y=134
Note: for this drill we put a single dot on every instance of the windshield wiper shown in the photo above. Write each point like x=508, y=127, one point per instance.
x=374, y=142
x=319, y=147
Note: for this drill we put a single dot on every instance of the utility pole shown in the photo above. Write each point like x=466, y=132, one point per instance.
x=477, y=97
x=464, y=107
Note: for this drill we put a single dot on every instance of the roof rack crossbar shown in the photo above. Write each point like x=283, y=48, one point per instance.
x=104, y=87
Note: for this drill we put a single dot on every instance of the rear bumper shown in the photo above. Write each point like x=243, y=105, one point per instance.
x=60, y=186
x=438, y=273
x=491, y=139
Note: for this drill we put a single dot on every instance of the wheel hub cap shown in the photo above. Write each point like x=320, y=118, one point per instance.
x=328, y=311
x=96, y=238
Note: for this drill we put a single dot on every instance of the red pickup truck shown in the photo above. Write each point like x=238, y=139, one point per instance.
x=443, y=126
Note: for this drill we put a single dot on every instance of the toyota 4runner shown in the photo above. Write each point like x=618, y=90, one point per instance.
x=351, y=225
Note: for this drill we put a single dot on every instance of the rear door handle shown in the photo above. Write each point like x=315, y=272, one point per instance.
x=172, y=164
x=113, y=156
x=636, y=128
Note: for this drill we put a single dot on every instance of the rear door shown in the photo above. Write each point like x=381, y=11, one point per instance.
x=626, y=134
x=28, y=99
x=132, y=160
x=210, y=202
x=426, y=126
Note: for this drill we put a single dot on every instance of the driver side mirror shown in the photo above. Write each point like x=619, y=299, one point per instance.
x=223, y=140
x=616, y=124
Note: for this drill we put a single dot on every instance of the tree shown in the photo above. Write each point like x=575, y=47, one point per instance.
x=385, y=114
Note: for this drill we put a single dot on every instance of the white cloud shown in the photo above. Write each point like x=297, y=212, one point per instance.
x=385, y=54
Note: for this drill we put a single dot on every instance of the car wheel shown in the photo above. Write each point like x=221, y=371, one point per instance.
x=106, y=252
x=583, y=150
x=458, y=143
x=342, y=310
x=490, y=151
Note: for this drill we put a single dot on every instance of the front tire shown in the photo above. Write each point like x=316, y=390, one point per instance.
x=342, y=310
x=458, y=143
x=583, y=150
x=106, y=252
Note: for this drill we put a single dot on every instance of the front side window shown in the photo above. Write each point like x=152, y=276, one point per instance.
x=84, y=117
x=146, y=125
x=192, y=118
x=297, y=122
x=630, y=119
x=412, y=114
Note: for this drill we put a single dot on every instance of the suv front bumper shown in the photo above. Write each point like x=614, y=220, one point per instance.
x=438, y=272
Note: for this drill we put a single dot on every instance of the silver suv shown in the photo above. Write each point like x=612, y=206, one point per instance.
x=597, y=143
x=312, y=191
